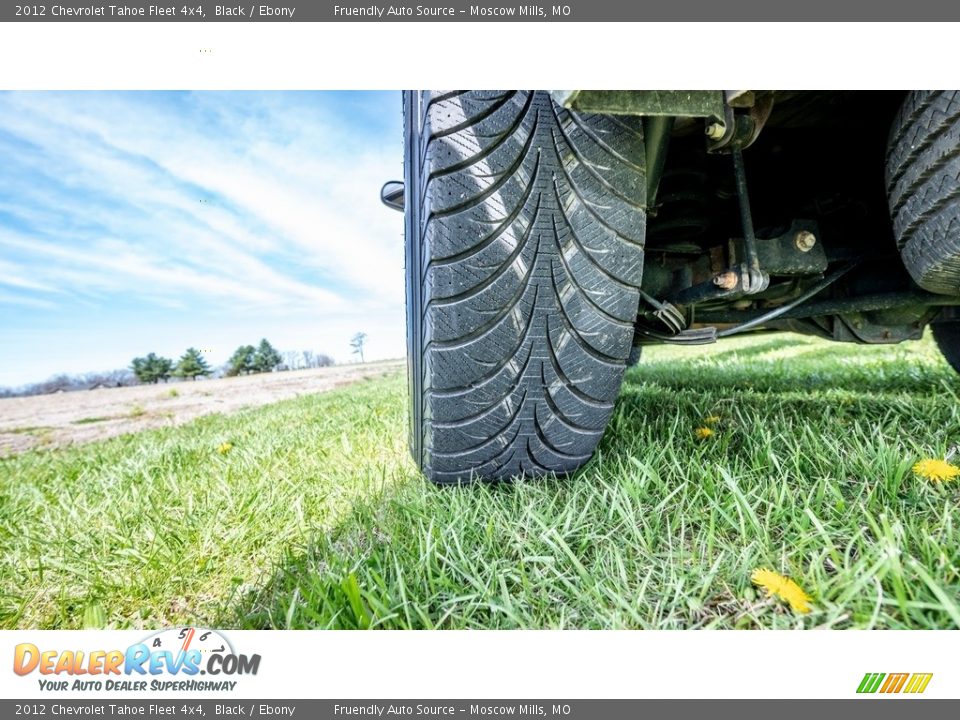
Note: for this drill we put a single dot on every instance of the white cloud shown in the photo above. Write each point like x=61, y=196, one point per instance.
x=260, y=208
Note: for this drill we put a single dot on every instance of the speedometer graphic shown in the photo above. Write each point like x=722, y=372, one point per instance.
x=181, y=640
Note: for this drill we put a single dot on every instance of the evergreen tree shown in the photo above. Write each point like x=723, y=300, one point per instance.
x=152, y=368
x=192, y=365
x=139, y=368
x=266, y=358
x=241, y=362
x=163, y=367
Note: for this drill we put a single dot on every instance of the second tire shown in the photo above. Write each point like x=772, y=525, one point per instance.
x=923, y=185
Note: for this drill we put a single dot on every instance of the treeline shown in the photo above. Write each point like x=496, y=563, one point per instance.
x=152, y=368
x=67, y=383
x=247, y=360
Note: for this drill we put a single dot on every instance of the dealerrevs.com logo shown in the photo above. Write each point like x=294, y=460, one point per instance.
x=890, y=683
x=168, y=660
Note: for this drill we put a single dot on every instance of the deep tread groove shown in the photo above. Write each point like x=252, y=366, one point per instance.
x=520, y=352
x=593, y=261
x=489, y=438
x=463, y=422
x=571, y=385
x=599, y=141
x=494, y=276
x=585, y=344
x=505, y=177
x=923, y=181
x=922, y=129
x=492, y=148
x=497, y=369
x=487, y=327
x=569, y=273
x=450, y=130
x=558, y=413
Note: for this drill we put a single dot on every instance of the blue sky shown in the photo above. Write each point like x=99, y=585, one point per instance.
x=143, y=222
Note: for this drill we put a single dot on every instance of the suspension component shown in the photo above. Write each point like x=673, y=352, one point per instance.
x=752, y=278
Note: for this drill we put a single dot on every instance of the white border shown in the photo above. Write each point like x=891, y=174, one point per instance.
x=400, y=55
x=378, y=55
x=560, y=664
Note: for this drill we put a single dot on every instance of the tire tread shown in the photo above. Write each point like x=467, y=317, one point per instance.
x=531, y=225
x=923, y=185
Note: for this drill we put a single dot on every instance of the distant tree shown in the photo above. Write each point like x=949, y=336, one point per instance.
x=192, y=365
x=108, y=379
x=266, y=358
x=55, y=384
x=241, y=362
x=291, y=360
x=139, y=368
x=69, y=383
x=322, y=360
x=163, y=367
x=152, y=368
x=357, y=342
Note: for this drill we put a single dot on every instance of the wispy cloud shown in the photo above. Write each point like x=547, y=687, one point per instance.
x=193, y=208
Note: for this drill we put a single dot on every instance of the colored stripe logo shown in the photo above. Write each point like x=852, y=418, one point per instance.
x=894, y=683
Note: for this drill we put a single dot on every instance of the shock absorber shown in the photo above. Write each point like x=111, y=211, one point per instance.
x=681, y=213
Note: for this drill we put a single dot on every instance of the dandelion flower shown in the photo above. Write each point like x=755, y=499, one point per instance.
x=711, y=419
x=224, y=448
x=703, y=433
x=782, y=587
x=936, y=470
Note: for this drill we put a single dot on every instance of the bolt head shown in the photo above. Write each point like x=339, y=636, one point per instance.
x=805, y=240
x=715, y=130
x=726, y=280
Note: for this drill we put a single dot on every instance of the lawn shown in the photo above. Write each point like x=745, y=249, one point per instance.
x=308, y=513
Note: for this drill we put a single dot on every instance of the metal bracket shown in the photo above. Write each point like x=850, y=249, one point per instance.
x=739, y=128
x=796, y=253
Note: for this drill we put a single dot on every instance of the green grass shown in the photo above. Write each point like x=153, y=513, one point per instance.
x=316, y=517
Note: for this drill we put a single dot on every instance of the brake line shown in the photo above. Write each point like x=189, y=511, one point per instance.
x=773, y=314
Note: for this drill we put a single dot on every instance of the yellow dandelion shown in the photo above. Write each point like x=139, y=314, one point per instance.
x=783, y=587
x=224, y=448
x=936, y=470
x=711, y=419
x=703, y=433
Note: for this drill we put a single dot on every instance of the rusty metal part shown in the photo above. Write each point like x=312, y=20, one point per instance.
x=726, y=280
x=795, y=253
x=753, y=279
x=782, y=310
x=739, y=128
x=804, y=241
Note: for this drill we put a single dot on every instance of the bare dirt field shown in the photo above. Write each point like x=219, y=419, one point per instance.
x=86, y=415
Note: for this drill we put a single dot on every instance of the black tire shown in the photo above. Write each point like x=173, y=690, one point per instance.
x=947, y=335
x=524, y=237
x=923, y=186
